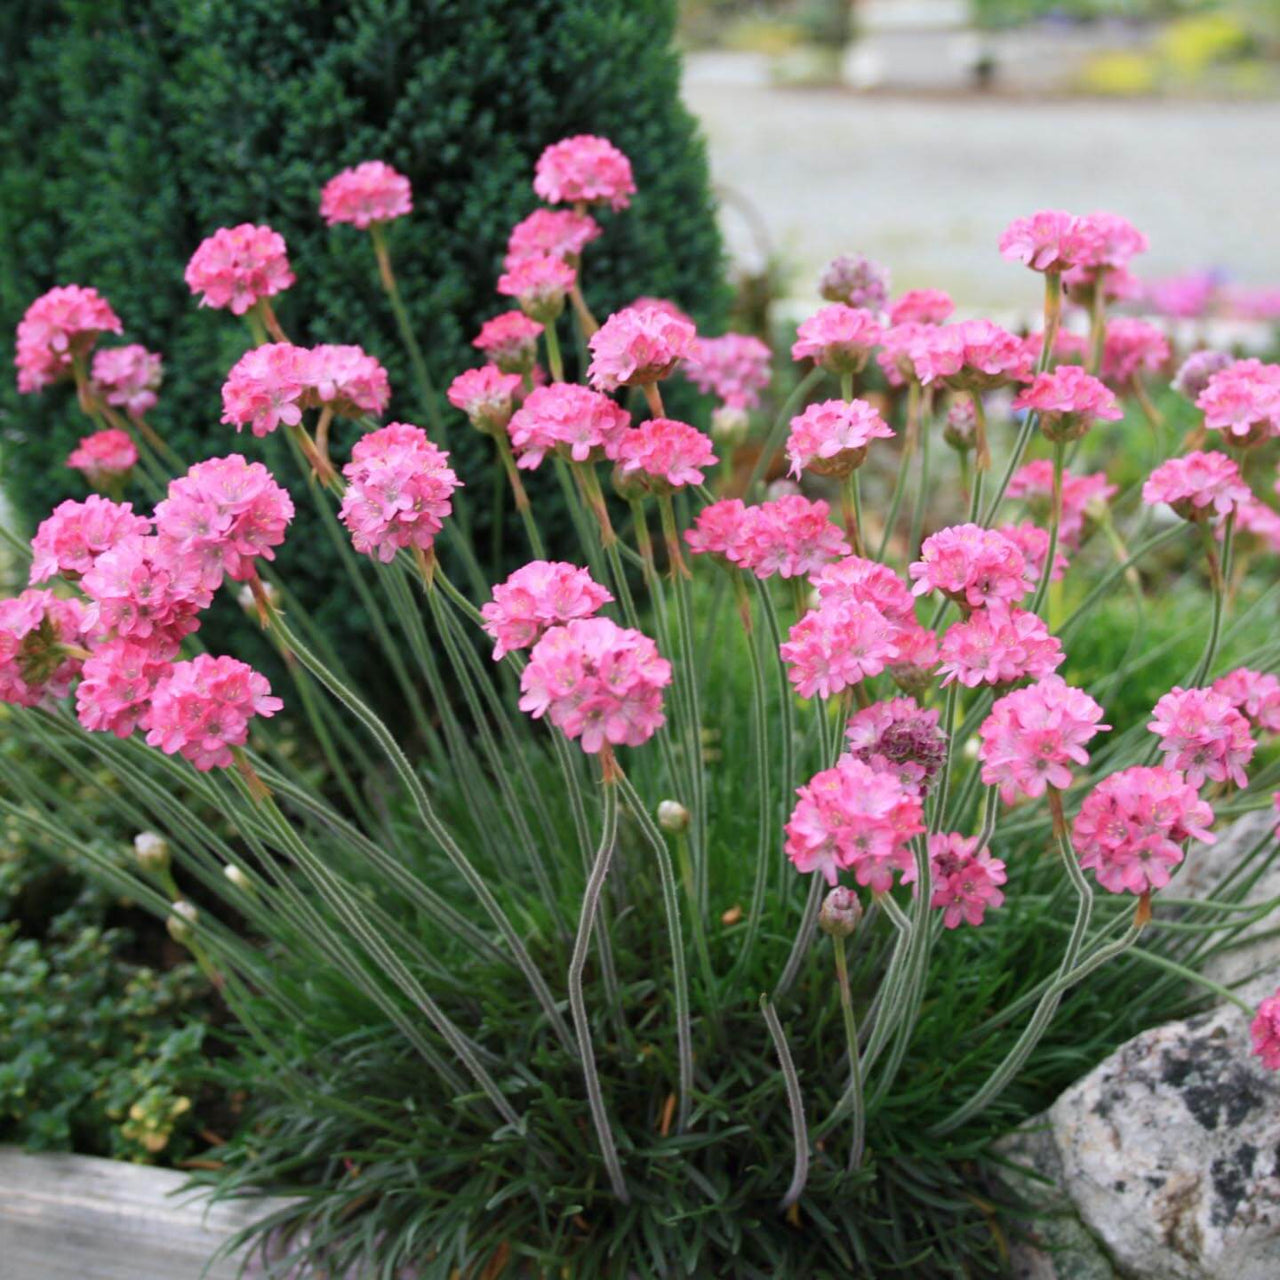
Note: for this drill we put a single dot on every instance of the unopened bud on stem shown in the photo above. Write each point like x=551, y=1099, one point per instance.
x=183, y=916
x=152, y=851
x=841, y=912
x=673, y=816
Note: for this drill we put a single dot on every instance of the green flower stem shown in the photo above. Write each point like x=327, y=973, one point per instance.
x=1052, y=317
x=1218, y=581
x=922, y=491
x=795, y=1102
x=1029, y=425
x=1097, y=323
x=555, y=361
x=851, y=1042
x=851, y=501
x=1055, y=523
x=981, y=448
x=943, y=785
x=904, y=466
x=1196, y=979
x=521, y=498
x=803, y=939
x=786, y=710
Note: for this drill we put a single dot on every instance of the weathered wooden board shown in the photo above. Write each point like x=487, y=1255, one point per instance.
x=79, y=1218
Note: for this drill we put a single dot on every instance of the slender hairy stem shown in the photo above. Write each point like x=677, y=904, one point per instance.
x=803, y=938
x=1055, y=524
x=851, y=1041
x=799, y=1129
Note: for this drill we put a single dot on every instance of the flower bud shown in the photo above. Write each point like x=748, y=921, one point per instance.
x=244, y=597
x=673, y=816
x=856, y=281
x=183, y=916
x=237, y=878
x=961, y=427
x=729, y=425
x=841, y=912
x=152, y=851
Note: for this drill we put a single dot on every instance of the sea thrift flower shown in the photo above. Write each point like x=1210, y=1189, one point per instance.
x=347, y=380
x=556, y=233
x=1255, y=694
x=970, y=565
x=1033, y=542
x=1068, y=401
x=839, y=338
x=868, y=582
x=202, y=708
x=542, y=594
x=837, y=645
x=1068, y=347
x=34, y=626
x=735, y=367
x=1243, y=400
x=104, y=456
x=966, y=879
x=1129, y=347
x=1197, y=486
x=840, y=913
x=922, y=306
x=831, y=438
x=56, y=329
x=855, y=281
x=584, y=170
x=901, y=348
x=1032, y=735
x=510, y=341
x=127, y=378
x=998, y=645
x=487, y=396
x=1186, y=297
x=974, y=355
x=790, y=536
x=637, y=345
x=539, y=284
x=852, y=817
x=1108, y=241
x=75, y=534
x=960, y=430
x=1265, y=1032
x=139, y=591
x=1082, y=496
x=720, y=529
x=1132, y=826
x=401, y=490
x=116, y=685
x=912, y=669
x=1049, y=240
x=371, y=192
x=266, y=387
x=665, y=454
x=1196, y=370
x=901, y=738
x=1203, y=735
x=597, y=682
x=236, y=267
x=574, y=421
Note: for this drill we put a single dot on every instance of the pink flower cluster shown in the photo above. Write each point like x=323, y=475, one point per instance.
x=831, y=437
x=971, y=565
x=638, y=345
x=116, y=685
x=1033, y=542
x=1264, y=1030
x=1195, y=371
x=552, y=233
x=898, y=737
x=33, y=628
x=347, y=380
x=1131, y=828
x=371, y=192
x=855, y=281
x=564, y=418
x=1197, y=486
x=1051, y=240
x=1255, y=694
x=901, y=349
x=487, y=396
x=790, y=536
x=58, y=328
x=584, y=170
x=539, y=283
x=127, y=378
x=1081, y=494
x=1033, y=735
x=75, y=534
x=837, y=645
x=735, y=368
x=597, y=682
x=104, y=456
x=1068, y=401
x=922, y=306
x=510, y=341
x=1131, y=346
x=839, y=338
x=540, y=595
x=966, y=879
x=998, y=645
x=1243, y=400
x=1203, y=736
x=236, y=267
x=854, y=818
x=664, y=454
x=974, y=355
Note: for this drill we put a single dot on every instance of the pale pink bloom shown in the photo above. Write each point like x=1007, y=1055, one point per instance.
x=557, y=233
x=541, y=594
x=902, y=348
x=970, y=565
x=487, y=396
x=853, y=817
x=116, y=685
x=1196, y=370
x=104, y=456
x=1203, y=735
x=598, y=682
x=1033, y=735
x=74, y=534
x=856, y=281
x=1081, y=495
x=1108, y=241
x=237, y=266
x=966, y=879
x=202, y=708
x=1068, y=401
x=790, y=536
x=1049, y=240
x=868, y=582
x=401, y=491
x=33, y=628
x=665, y=454
x=1131, y=346
x=567, y=419
x=720, y=529
x=127, y=378
x=1255, y=694
x=1265, y=1032
x=347, y=380
x=1033, y=542
x=56, y=329
x=1131, y=828
x=267, y=386
x=899, y=737
x=922, y=306
x=221, y=517
x=839, y=338
x=974, y=355
x=1197, y=486
x=637, y=345
x=837, y=645
x=510, y=341
x=1243, y=400
x=831, y=437
x=998, y=645
x=584, y=169
x=1258, y=521
x=372, y=192
x=735, y=368
x=139, y=591
x=1186, y=297
x=539, y=284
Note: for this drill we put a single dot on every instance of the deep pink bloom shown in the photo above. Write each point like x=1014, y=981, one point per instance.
x=1203, y=735
x=970, y=565
x=853, y=817
x=1049, y=240
x=665, y=454
x=1107, y=241
x=541, y=594
x=922, y=306
x=790, y=536
x=104, y=456
x=868, y=582
x=720, y=529
x=57, y=328
x=899, y=737
x=202, y=709
x=1255, y=694
x=1132, y=825
x=1081, y=495
x=1131, y=346
x=539, y=284
x=856, y=281
x=638, y=345
x=1032, y=735
x=237, y=266
x=1195, y=371
x=1265, y=1032
x=966, y=879
x=401, y=491
x=510, y=341
x=735, y=368
x=837, y=645
x=127, y=377
x=141, y=592
x=74, y=534
x=33, y=628
x=598, y=682
x=1033, y=542
x=116, y=685
x=557, y=233
x=839, y=338
x=347, y=380
x=1243, y=400
x=564, y=418
x=1197, y=486
x=487, y=396
x=1068, y=401
x=267, y=386
x=831, y=437
x=371, y=192
x=998, y=645
x=584, y=169
x=974, y=355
